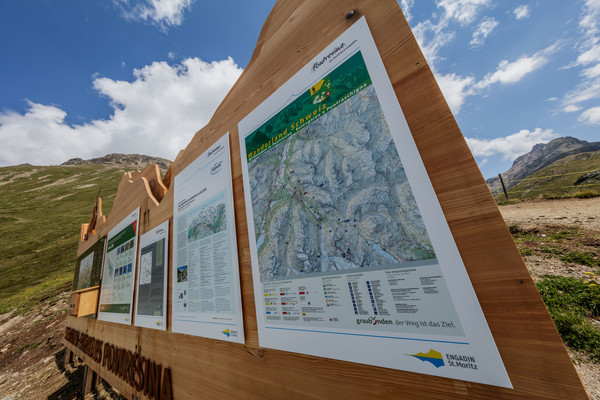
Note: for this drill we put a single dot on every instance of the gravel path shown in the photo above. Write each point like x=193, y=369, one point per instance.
x=584, y=213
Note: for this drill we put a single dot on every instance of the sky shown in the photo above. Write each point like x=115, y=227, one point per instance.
x=88, y=78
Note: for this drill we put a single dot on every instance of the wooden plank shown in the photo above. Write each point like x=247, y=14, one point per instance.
x=295, y=31
x=74, y=304
x=90, y=381
x=88, y=302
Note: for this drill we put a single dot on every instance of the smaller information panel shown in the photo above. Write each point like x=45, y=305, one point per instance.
x=89, y=266
x=116, y=293
x=206, y=294
x=151, y=293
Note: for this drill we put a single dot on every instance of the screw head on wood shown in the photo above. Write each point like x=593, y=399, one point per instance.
x=350, y=14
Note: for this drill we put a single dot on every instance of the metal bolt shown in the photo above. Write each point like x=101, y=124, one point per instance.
x=350, y=14
x=520, y=280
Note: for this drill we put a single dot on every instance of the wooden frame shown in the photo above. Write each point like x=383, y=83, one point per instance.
x=295, y=31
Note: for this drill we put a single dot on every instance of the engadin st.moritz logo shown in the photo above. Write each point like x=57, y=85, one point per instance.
x=432, y=356
x=226, y=332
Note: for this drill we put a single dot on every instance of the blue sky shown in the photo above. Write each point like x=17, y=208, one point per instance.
x=83, y=79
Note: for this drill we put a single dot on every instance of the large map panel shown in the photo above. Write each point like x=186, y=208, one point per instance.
x=352, y=257
x=335, y=195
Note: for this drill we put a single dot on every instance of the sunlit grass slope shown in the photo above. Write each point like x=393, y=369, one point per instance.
x=564, y=178
x=41, y=212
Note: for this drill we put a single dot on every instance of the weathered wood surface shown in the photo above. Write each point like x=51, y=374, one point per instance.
x=534, y=356
x=74, y=304
x=88, y=301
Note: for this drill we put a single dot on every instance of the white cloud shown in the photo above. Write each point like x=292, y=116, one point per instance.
x=571, y=108
x=511, y=146
x=588, y=88
x=171, y=55
x=163, y=13
x=591, y=55
x=521, y=12
x=433, y=34
x=455, y=89
x=406, y=5
x=589, y=19
x=156, y=114
x=483, y=31
x=512, y=72
x=431, y=38
x=592, y=72
x=463, y=11
x=590, y=116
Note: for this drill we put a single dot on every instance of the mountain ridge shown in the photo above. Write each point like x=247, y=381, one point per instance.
x=541, y=156
x=137, y=160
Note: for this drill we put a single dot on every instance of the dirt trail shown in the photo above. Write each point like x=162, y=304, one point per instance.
x=542, y=214
x=584, y=213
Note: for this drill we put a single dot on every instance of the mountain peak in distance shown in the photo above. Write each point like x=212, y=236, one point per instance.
x=136, y=160
x=540, y=156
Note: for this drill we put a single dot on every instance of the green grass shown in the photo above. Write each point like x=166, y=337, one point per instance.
x=526, y=252
x=588, y=258
x=41, y=212
x=535, y=235
x=32, y=345
x=571, y=303
x=552, y=249
x=586, y=194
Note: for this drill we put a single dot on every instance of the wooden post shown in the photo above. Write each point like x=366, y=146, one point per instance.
x=90, y=381
x=503, y=187
x=68, y=362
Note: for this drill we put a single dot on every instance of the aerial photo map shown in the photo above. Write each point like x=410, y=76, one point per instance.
x=207, y=220
x=334, y=194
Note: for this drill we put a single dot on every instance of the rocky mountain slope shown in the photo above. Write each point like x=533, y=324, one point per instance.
x=137, y=160
x=539, y=157
x=577, y=175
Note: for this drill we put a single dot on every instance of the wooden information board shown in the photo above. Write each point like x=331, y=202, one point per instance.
x=151, y=363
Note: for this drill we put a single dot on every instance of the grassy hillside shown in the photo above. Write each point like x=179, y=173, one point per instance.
x=41, y=212
x=560, y=179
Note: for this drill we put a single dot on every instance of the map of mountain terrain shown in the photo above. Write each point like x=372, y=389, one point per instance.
x=335, y=196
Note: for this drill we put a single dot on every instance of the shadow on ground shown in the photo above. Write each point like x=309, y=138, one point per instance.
x=73, y=372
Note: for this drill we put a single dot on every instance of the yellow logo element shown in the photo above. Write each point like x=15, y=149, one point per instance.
x=316, y=87
x=432, y=356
